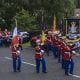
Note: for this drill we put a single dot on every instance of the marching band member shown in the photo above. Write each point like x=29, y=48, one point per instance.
x=39, y=58
x=69, y=63
x=16, y=57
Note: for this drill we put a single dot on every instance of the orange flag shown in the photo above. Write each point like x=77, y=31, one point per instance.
x=43, y=37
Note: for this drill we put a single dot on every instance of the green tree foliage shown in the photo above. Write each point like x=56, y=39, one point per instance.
x=61, y=8
x=77, y=3
x=8, y=9
x=25, y=21
x=38, y=8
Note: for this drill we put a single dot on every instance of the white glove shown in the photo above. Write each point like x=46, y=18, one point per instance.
x=42, y=51
x=18, y=52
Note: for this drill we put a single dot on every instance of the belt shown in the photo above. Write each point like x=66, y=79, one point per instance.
x=14, y=52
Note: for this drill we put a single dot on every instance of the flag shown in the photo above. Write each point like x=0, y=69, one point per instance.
x=54, y=24
x=43, y=37
x=15, y=33
x=15, y=38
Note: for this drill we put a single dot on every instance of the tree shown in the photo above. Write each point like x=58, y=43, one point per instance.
x=78, y=3
x=43, y=8
x=50, y=7
x=25, y=21
x=8, y=9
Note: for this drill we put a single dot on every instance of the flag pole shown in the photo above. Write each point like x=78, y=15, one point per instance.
x=54, y=24
x=42, y=37
x=16, y=22
x=66, y=26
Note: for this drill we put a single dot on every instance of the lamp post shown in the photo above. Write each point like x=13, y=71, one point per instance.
x=66, y=13
x=78, y=15
x=40, y=14
x=66, y=20
x=42, y=17
x=42, y=20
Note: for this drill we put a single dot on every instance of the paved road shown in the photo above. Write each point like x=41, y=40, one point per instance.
x=28, y=67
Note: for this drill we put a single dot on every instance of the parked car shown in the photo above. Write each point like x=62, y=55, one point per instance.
x=6, y=41
x=25, y=36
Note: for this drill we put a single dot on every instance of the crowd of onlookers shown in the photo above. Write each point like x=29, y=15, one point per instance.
x=4, y=38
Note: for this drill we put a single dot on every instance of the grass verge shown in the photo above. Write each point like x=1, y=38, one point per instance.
x=27, y=44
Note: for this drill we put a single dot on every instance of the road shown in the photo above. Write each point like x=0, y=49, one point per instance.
x=28, y=67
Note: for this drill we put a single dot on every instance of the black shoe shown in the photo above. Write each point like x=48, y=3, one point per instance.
x=67, y=74
x=63, y=68
x=14, y=70
x=71, y=73
x=18, y=70
x=44, y=71
x=37, y=72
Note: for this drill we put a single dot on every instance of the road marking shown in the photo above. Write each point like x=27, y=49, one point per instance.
x=75, y=76
x=22, y=61
x=35, y=66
